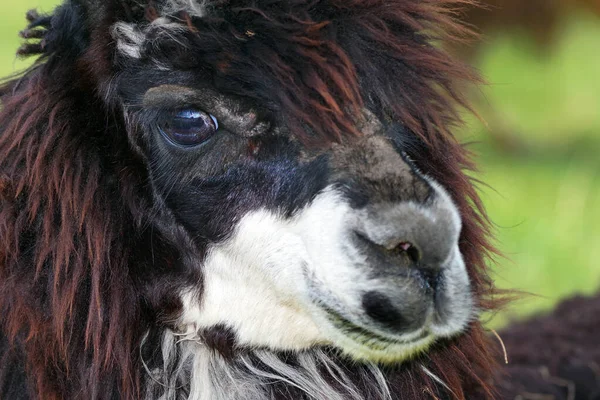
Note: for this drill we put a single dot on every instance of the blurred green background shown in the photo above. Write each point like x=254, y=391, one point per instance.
x=539, y=150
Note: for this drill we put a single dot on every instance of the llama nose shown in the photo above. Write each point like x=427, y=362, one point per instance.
x=408, y=240
x=406, y=258
x=410, y=249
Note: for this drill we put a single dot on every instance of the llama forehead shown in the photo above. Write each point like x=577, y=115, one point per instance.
x=301, y=58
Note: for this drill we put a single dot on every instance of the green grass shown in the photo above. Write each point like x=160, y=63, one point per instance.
x=545, y=184
x=548, y=225
x=551, y=97
x=545, y=200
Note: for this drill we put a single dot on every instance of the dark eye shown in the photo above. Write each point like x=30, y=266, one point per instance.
x=189, y=127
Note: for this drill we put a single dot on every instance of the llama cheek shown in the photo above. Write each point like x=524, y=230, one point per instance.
x=323, y=227
x=253, y=284
x=255, y=318
x=256, y=283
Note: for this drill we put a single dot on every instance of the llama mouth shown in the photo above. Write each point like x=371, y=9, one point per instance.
x=369, y=338
x=361, y=342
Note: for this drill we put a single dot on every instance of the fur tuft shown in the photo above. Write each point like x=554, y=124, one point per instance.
x=257, y=375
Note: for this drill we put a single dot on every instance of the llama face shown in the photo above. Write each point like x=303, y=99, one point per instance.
x=296, y=245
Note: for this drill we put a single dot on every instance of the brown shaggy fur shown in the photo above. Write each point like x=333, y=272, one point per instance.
x=75, y=204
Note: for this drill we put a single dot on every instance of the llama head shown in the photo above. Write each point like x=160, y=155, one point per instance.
x=299, y=161
x=287, y=178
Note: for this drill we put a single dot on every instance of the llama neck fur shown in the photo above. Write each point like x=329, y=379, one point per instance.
x=190, y=370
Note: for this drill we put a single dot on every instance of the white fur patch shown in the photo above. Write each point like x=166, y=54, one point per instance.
x=129, y=39
x=256, y=282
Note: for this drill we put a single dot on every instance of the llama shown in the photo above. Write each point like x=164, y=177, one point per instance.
x=224, y=200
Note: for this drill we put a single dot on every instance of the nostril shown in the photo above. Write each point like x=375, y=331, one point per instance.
x=407, y=249
x=404, y=250
x=405, y=246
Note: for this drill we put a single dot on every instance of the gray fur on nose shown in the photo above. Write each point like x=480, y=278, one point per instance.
x=432, y=229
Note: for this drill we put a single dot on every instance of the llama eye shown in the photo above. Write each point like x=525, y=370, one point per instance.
x=189, y=127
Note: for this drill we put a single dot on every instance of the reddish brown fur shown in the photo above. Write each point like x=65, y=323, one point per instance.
x=80, y=241
x=79, y=211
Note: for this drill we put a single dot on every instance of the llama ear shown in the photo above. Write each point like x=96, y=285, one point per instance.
x=63, y=32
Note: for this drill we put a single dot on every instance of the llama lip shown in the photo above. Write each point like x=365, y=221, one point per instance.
x=366, y=336
x=360, y=335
